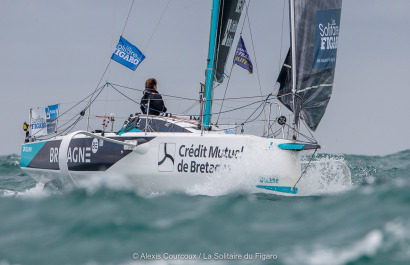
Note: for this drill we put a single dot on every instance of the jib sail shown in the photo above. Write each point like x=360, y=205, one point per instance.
x=317, y=26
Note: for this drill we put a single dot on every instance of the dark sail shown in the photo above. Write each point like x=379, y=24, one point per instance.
x=229, y=15
x=285, y=81
x=317, y=25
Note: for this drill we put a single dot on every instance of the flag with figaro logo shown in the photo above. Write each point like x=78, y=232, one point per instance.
x=127, y=54
x=242, y=57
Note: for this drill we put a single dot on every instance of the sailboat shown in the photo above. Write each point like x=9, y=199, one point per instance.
x=175, y=153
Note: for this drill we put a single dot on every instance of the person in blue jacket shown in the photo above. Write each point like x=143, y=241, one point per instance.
x=156, y=103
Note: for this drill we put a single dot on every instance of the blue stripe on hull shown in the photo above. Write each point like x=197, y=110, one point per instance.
x=279, y=189
x=298, y=147
x=291, y=146
x=29, y=151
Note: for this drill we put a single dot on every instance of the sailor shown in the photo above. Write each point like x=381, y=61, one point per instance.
x=156, y=104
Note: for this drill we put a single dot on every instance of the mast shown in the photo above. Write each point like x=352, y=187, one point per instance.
x=210, y=71
x=293, y=45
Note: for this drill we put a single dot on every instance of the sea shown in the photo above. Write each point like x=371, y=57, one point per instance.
x=109, y=222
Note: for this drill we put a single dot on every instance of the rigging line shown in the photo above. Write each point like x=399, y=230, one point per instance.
x=226, y=88
x=260, y=113
x=150, y=38
x=156, y=26
x=233, y=63
x=230, y=73
x=129, y=97
x=106, y=102
x=87, y=106
x=216, y=99
x=242, y=107
x=124, y=94
x=281, y=35
x=307, y=137
x=79, y=116
x=75, y=105
x=313, y=137
x=99, y=82
x=112, y=34
x=310, y=160
x=246, y=14
x=58, y=118
x=126, y=21
x=195, y=114
x=137, y=89
x=263, y=103
x=66, y=129
x=256, y=61
x=193, y=105
x=254, y=54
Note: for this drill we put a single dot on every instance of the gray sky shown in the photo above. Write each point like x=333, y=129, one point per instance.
x=56, y=51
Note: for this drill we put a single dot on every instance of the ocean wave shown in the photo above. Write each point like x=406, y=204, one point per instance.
x=389, y=244
x=368, y=246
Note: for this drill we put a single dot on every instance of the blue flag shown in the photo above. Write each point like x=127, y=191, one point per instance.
x=52, y=111
x=127, y=54
x=242, y=57
x=52, y=115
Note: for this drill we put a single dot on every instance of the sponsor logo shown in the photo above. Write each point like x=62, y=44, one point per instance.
x=79, y=155
x=229, y=131
x=326, y=38
x=166, y=154
x=229, y=32
x=239, y=6
x=74, y=155
x=38, y=123
x=205, y=159
x=27, y=149
x=329, y=35
x=126, y=53
x=270, y=146
x=54, y=154
x=268, y=180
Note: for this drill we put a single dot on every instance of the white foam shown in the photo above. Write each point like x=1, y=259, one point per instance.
x=321, y=255
x=35, y=192
x=242, y=178
x=93, y=183
x=115, y=182
x=324, y=176
x=398, y=238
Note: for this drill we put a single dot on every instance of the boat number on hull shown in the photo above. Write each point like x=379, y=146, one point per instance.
x=94, y=145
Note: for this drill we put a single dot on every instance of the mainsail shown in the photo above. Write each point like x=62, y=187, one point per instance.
x=317, y=25
x=229, y=15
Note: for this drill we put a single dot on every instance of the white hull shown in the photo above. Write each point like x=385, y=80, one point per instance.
x=164, y=162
